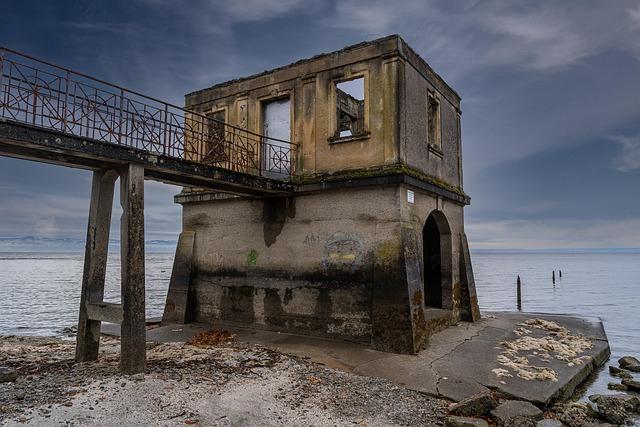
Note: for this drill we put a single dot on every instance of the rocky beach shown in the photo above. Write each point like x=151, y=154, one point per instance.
x=216, y=380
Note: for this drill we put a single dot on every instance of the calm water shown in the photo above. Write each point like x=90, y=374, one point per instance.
x=39, y=292
x=592, y=284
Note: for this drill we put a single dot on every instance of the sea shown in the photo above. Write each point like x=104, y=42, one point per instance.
x=39, y=292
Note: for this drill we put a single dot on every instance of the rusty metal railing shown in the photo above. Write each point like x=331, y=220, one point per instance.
x=48, y=96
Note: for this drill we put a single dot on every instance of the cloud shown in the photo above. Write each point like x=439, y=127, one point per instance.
x=634, y=15
x=628, y=158
x=258, y=10
x=518, y=234
x=539, y=35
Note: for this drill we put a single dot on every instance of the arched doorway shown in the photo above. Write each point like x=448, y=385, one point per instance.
x=436, y=247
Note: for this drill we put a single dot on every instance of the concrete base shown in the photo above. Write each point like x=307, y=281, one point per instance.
x=458, y=362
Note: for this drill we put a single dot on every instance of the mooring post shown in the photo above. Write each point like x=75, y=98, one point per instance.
x=95, y=262
x=519, y=294
x=133, y=331
x=560, y=273
x=553, y=277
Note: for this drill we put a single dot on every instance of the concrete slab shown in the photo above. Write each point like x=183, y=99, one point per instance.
x=459, y=361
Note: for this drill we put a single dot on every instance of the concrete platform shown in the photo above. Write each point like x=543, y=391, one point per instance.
x=459, y=361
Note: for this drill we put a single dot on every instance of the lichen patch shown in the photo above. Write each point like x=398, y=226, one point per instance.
x=557, y=343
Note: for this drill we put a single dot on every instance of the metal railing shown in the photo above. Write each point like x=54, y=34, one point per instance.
x=45, y=95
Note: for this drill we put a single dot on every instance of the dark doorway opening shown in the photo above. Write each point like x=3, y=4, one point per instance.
x=432, y=258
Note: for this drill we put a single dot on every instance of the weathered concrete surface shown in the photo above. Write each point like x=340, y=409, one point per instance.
x=95, y=262
x=457, y=364
x=176, y=309
x=132, y=348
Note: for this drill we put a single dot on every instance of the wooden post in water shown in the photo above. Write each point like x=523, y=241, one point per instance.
x=560, y=273
x=519, y=294
x=553, y=277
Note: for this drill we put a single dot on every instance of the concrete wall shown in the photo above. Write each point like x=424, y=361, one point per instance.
x=396, y=82
x=300, y=264
x=444, y=163
x=341, y=263
x=340, y=257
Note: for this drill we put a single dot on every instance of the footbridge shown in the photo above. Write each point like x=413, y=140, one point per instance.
x=55, y=115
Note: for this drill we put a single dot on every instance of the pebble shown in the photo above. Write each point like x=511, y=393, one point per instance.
x=7, y=375
x=474, y=406
x=454, y=421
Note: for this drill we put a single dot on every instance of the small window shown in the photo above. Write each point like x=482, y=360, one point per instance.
x=433, y=121
x=214, y=147
x=350, y=108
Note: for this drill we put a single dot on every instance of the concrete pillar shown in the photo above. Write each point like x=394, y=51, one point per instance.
x=469, y=309
x=95, y=262
x=177, y=307
x=133, y=336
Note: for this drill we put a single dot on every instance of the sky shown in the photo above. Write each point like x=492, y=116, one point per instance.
x=550, y=98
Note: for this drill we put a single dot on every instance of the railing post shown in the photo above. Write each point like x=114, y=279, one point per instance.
x=64, y=103
x=166, y=123
x=35, y=97
x=120, y=118
x=2, y=93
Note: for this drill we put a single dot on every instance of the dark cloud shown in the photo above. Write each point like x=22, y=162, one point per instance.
x=551, y=117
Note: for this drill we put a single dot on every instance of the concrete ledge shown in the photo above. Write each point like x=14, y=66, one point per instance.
x=459, y=361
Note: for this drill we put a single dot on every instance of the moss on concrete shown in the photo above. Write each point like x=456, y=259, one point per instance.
x=395, y=169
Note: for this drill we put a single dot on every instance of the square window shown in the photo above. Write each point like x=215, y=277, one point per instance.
x=350, y=108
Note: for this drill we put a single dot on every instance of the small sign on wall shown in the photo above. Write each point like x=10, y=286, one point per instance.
x=410, y=196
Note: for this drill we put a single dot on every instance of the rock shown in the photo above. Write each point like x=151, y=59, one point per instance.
x=615, y=371
x=137, y=377
x=617, y=387
x=632, y=403
x=632, y=384
x=7, y=375
x=629, y=363
x=453, y=421
x=613, y=410
x=474, y=406
x=619, y=372
x=575, y=414
x=515, y=410
x=548, y=423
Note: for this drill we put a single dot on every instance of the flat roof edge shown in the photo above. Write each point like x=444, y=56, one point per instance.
x=401, y=48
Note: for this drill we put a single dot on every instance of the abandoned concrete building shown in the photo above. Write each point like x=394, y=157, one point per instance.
x=370, y=247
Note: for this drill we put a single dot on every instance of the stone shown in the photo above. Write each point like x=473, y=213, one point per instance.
x=476, y=405
x=613, y=410
x=614, y=370
x=629, y=363
x=632, y=403
x=575, y=414
x=138, y=377
x=515, y=410
x=7, y=375
x=548, y=422
x=454, y=421
x=631, y=384
x=617, y=387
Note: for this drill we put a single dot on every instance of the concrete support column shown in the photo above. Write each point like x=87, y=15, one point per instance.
x=133, y=337
x=95, y=262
